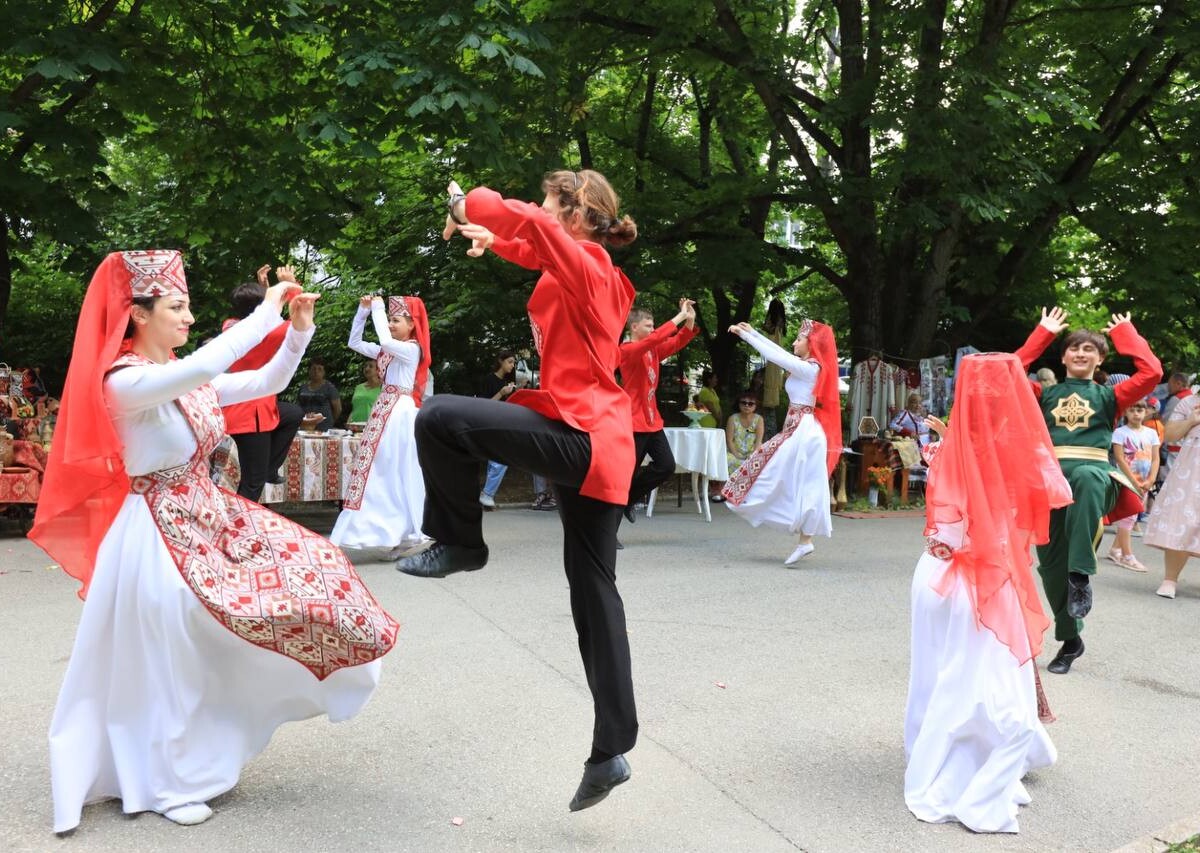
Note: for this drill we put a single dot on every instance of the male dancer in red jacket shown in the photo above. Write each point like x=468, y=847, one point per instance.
x=641, y=356
x=262, y=429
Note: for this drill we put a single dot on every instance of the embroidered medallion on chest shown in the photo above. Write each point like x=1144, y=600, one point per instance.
x=1072, y=413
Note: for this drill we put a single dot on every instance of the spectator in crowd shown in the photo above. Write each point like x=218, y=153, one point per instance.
x=319, y=396
x=365, y=393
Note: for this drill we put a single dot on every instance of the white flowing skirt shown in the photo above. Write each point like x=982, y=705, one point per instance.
x=791, y=493
x=971, y=729
x=393, y=503
x=161, y=704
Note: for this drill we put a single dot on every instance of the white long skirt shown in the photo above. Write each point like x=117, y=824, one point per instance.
x=971, y=729
x=393, y=503
x=791, y=492
x=161, y=704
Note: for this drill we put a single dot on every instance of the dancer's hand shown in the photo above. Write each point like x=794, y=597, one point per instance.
x=1054, y=320
x=278, y=294
x=460, y=209
x=480, y=237
x=936, y=425
x=365, y=301
x=740, y=329
x=301, y=309
x=1117, y=319
x=286, y=274
x=261, y=275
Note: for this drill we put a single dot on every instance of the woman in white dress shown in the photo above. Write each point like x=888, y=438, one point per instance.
x=385, y=498
x=785, y=482
x=208, y=620
x=973, y=724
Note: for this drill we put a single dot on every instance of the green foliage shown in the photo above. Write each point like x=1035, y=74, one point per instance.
x=942, y=171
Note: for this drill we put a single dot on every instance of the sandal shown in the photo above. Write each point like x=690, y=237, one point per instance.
x=1132, y=563
x=1114, y=555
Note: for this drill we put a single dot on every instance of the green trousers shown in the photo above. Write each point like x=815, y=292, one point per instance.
x=1075, y=533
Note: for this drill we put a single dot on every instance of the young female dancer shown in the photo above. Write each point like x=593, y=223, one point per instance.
x=785, y=482
x=575, y=430
x=972, y=728
x=386, y=496
x=209, y=620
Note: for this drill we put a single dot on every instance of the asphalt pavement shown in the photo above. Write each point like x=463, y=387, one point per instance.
x=771, y=703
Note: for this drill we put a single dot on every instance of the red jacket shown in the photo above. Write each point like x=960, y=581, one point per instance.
x=261, y=414
x=578, y=311
x=640, y=371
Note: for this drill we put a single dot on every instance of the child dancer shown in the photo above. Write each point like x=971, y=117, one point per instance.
x=1080, y=415
x=971, y=728
x=386, y=495
x=641, y=357
x=785, y=483
x=1135, y=448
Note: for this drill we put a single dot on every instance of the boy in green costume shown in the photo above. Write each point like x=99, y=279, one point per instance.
x=1080, y=416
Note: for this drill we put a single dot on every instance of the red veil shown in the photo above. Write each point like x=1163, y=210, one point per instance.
x=85, y=481
x=823, y=348
x=997, y=476
x=421, y=332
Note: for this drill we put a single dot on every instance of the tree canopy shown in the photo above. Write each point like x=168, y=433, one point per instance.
x=922, y=174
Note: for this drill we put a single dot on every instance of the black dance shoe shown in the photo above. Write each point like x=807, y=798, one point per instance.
x=630, y=516
x=598, y=780
x=274, y=479
x=440, y=560
x=1066, y=656
x=1079, y=595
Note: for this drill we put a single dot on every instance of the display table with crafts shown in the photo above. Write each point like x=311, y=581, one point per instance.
x=698, y=451
x=317, y=468
x=21, y=480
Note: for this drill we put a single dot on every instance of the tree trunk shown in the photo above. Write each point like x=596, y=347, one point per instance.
x=5, y=272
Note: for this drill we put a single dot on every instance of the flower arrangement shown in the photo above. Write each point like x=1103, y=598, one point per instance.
x=880, y=476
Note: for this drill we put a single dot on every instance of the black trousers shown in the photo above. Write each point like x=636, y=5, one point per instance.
x=647, y=478
x=261, y=453
x=454, y=434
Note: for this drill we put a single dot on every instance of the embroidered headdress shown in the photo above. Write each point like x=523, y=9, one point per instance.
x=155, y=272
x=806, y=327
x=85, y=481
x=398, y=305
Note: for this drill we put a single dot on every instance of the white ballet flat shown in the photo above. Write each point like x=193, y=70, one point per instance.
x=1167, y=590
x=801, y=551
x=188, y=815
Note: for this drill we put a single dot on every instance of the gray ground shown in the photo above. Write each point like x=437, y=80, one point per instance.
x=483, y=713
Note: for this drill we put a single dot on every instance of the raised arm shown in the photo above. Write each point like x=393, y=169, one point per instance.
x=773, y=352
x=140, y=387
x=1128, y=342
x=357, y=327
x=272, y=378
x=678, y=341
x=1052, y=322
x=549, y=242
x=633, y=349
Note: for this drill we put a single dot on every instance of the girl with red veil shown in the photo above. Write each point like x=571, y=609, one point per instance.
x=386, y=494
x=785, y=483
x=208, y=621
x=973, y=725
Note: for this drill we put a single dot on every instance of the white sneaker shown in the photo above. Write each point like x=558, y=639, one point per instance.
x=1167, y=590
x=801, y=551
x=188, y=815
x=486, y=500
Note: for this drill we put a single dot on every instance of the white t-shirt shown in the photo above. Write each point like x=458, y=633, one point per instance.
x=1136, y=443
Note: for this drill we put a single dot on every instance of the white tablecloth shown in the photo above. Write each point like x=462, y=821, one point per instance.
x=701, y=450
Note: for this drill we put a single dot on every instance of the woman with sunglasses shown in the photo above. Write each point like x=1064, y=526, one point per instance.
x=743, y=432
